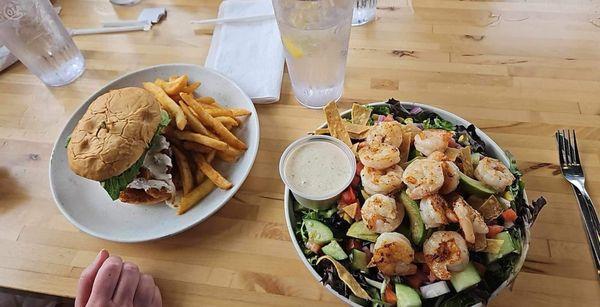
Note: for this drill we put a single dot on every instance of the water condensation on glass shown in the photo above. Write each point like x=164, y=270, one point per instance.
x=315, y=36
x=364, y=12
x=32, y=31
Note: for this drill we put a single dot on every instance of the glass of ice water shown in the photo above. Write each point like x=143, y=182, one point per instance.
x=364, y=12
x=33, y=32
x=315, y=34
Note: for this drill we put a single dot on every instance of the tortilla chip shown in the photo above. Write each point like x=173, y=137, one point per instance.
x=360, y=114
x=466, y=164
x=322, y=131
x=347, y=278
x=407, y=139
x=335, y=124
x=355, y=128
x=452, y=153
x=414, y=130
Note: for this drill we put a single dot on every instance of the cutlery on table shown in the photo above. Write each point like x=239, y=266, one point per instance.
x=232, y=19
x=572, y=170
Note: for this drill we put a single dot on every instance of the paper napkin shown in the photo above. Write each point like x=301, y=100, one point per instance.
x=6, y=58
x=250, y=53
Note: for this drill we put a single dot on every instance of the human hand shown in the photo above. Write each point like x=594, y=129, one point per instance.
x=110, y=282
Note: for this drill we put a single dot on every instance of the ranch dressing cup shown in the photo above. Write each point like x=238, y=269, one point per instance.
x=317, y=169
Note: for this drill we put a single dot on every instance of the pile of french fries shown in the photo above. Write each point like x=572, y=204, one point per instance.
x=200, y=131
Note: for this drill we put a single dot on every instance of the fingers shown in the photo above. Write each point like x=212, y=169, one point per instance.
x=107, y=278
x=157, y=300
x=128, y=282
x=86, y=281
x=145, y=291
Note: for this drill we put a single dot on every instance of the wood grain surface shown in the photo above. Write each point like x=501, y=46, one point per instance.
x=518, y=69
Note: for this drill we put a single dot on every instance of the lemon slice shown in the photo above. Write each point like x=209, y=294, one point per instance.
x=294, y=50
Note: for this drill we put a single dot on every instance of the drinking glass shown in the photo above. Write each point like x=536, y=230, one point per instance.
x=315, y=34
x=33, y=32
x=364, y=12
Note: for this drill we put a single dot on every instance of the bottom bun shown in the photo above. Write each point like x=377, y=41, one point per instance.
x=141, y=197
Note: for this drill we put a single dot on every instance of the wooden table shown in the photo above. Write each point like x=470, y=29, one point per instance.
x=518, y=70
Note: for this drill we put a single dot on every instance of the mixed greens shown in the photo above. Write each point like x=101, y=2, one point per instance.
x=341, y=234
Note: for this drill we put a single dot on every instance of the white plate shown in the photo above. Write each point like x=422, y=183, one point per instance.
x=87, y=205
x=492, y=150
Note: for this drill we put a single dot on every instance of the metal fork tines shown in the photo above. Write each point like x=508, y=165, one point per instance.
x=571, y=168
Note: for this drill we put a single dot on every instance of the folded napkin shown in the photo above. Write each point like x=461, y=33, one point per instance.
x=250, y=53
x=6, y=58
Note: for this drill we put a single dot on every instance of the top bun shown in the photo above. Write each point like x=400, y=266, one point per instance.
x=113, y=133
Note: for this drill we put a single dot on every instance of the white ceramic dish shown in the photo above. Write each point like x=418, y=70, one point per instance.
x=87, y=205
x=492, y=149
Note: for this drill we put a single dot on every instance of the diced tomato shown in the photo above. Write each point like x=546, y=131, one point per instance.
x=388, y=118
x=348, y=196
x=359, y=167
x=355, y=182
x=479, y=267
x=509, y=215
x=341, y=204
x=315, y=248
x=389, y=295
x=416, y=280
x=353, y=244
x=452, y=144
x=494, y=230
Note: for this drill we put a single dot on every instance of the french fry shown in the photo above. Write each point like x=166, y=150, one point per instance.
x=219, y=112
x=193, y=197
x=226, y=120
x=185, y=172
x=195, y=124
x=212, y=174
x=227, y=158
x=206, y=100
x=210, y=156
x=198, y=138
x=173, y=87
x=168, y=104
x=217, y=127
x=240, y=112
x=190, y=88
x=191, y=146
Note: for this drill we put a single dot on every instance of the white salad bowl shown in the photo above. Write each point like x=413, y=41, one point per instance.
x=492, y=149
x=88, y=206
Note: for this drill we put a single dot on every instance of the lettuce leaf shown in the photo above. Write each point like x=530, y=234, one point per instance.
x=116, y=184
x=438, y=123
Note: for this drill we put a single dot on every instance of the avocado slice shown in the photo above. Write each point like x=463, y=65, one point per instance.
x=417, y=228
x=358, y=260
x=508, y=246
x=318, y=232
x=360, y=231
x=407, y=296
x=334, y=250
x=465, y=278
x=475, y=187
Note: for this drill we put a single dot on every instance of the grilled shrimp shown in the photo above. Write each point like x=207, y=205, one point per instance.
x=451, y=172
x=435, y=212
x=423, y=177
x=494, y=173
x=393, y=255
x=445, y=251
x=384, y=181
x=431, y=140
x=381, y=213
x=386, y=132
x=470, y=220
x=379, y=155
